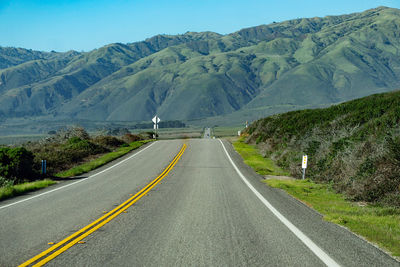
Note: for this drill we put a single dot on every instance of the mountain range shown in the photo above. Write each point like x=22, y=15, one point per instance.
x=248, y=74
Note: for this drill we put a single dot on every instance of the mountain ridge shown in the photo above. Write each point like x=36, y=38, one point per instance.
x=295, y=63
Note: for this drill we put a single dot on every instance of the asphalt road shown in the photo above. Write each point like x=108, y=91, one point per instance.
x=207, y=133
x=203, y=213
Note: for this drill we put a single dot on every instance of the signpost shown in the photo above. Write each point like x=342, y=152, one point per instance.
x=155, y=120
x=44, y=163
x=304, y=165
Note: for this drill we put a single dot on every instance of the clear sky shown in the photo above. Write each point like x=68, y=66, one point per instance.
x=63, y=25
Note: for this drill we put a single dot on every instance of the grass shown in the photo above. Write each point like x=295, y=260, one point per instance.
x=377, y=224
x=19, y=189
x=88, y=166
x=252, y=157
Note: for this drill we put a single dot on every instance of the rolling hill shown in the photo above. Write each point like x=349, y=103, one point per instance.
x=248, y=74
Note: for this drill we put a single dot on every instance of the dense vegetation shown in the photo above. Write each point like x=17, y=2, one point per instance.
x=65, y=149
x=250, y=73
x=16, y=165
x=354, y=145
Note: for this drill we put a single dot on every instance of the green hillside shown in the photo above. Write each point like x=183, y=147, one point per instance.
x=245, y=75
x=354, y=145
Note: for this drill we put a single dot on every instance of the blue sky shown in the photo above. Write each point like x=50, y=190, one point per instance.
x=87, y=24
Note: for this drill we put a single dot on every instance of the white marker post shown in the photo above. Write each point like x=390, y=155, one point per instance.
x=155, y=120
x=304, y=166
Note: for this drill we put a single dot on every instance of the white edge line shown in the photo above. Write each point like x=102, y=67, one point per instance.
x=62, y=187
x=325, y=258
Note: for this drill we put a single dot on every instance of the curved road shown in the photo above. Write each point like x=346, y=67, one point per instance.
x=203, y=213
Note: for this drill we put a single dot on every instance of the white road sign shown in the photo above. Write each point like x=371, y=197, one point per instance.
x=304, y=165
x=156, y=119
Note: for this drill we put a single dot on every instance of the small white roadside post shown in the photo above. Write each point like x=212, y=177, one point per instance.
x=155, y=120
x=304, y=166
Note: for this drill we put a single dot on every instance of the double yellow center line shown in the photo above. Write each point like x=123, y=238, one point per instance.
x=57, y=249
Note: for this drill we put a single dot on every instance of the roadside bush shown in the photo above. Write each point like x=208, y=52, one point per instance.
x=355, y=146
x=61, y=155
x=108, y=141
x=129, y=138
x=63, y=135
x=393, y=145
x=6, y=182
x=149, y=134
x=77, y=132
x=77, y=149
x=16, y=164
x=70, y=146
x=312, y=147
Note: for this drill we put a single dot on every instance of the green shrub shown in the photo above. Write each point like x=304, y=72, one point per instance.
x=312, y=147
x=339, y=145
x=76, y=149
x=129, y=138
x=367, y=168
x=393, y=145
x=108, y=141
x=6, y=182
x=16, y=164
x=61, y=155
x=74, y=140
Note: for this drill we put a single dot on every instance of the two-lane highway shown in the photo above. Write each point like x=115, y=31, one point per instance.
x=203, y=213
